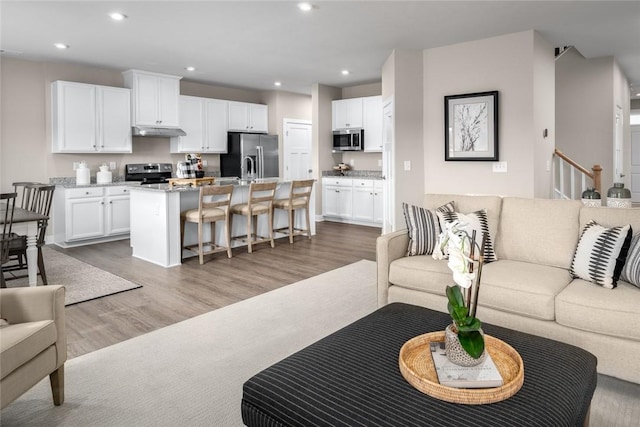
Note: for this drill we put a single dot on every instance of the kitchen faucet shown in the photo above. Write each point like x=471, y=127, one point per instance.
x=251, y=167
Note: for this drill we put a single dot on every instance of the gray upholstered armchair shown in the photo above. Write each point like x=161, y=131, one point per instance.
x=34, y=343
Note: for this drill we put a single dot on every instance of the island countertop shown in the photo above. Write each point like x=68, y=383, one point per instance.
x=237, y=183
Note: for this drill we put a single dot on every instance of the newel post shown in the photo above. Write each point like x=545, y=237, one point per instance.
x=597, y=171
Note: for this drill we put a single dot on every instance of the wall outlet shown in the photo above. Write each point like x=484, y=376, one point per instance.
x=407, y=165
x=76, y=165
x=204, y=163
x=500, y=167
x=352, y=162
x=112, y=166
x=379, y=162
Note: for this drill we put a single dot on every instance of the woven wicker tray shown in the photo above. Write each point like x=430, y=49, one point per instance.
x=416, y=366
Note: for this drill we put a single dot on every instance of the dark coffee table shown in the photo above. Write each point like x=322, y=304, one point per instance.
x=351, y=378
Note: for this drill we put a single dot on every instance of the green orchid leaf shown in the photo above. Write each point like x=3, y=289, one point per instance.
x=454, y=294
x=472, y=342
x=470, y=324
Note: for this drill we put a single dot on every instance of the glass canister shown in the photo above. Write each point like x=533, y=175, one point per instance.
x=618, y=196
x=591, y=197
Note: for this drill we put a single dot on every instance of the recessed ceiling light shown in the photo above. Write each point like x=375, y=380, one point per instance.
x=61, y=45
x=190, y=68
x=277, y=83
x=117, y=16
x=345, y=72
x=305, y=7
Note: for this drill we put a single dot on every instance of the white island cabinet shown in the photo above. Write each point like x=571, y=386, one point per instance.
x=155, y=221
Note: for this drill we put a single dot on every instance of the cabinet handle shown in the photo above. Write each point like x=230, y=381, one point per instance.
x=102, y=203
x=347, y=124
x=110, y=202
x=124, y=191
x=371, y=194
x=337, y=191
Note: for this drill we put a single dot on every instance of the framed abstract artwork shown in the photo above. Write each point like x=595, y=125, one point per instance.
x=471, y=127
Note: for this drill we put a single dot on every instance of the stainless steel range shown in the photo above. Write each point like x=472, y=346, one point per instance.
x=148, y=173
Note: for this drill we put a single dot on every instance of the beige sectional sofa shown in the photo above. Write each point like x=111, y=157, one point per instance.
x=530, y=287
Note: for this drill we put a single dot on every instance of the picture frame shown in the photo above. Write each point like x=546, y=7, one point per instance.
x=471, y=127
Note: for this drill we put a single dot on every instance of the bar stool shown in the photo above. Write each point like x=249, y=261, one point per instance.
x=260, y=202
x=299, y=197
x=213, y=206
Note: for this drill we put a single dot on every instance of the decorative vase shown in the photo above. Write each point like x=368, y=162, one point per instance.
x=454, y=351
x=591, y=198
x=618, y=196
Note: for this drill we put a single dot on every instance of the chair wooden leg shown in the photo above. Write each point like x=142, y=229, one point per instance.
x=182, y=225
x=270, y=226
x=56, y=378
x=308, y=222
x=200, y=251
x=41, y=269
x=249, y=228
x=292, y=217
x=228, y=234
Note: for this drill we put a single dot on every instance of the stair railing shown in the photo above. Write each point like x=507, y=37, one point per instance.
x=571, y=179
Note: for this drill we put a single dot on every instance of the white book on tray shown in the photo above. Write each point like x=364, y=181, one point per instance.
x=484, y=375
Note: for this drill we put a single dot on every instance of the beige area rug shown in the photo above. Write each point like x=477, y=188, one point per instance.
x=83, y=282
x=191, y=373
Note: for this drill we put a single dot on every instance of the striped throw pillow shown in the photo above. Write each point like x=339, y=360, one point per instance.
x=601, y=253
x=423, y=228
x=477, y=221
x=631, y=269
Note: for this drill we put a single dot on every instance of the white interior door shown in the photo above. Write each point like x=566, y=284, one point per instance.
x=297, y=149
x=635, y=163
x=387, y=167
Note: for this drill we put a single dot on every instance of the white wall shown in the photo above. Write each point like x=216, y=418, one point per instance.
x=26, y=120
x=402, y=78
x=517, y=66
x=585, y=111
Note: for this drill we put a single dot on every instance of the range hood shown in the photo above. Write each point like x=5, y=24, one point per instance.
x=157, y=131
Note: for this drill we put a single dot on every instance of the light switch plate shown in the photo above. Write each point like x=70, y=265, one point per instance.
x=407, y=165
x=352, y=162
x=112, y=166
x=76, y=165
x=500, y=167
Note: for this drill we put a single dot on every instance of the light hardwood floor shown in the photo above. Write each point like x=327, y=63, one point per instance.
x=170, y=295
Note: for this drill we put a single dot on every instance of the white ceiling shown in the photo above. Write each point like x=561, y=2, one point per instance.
x=252, y=44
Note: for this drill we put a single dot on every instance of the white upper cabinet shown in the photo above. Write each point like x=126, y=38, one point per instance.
x=204, y=120
x=372, y=123
x=247, y=117
x=154, y=98
x=90, y=118
x=347, y=113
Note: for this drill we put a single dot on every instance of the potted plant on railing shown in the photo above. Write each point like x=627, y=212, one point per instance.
x=464, y=340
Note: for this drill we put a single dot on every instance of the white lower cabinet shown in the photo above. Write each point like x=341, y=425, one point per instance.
x=337, y=198
x=356, y=201
x=91, y=215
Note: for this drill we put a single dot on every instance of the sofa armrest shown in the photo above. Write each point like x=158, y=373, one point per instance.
x=32, y=304
x=389, y=247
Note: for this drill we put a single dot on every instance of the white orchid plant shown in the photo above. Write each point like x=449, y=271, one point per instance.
x=460, y=247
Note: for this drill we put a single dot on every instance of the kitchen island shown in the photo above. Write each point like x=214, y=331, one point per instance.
x=155, y=219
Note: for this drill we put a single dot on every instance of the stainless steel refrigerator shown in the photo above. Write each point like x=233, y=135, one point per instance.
x=250, y=155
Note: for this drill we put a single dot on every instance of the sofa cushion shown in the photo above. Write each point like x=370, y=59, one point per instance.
x=522, y=288
x=601, y=253
x=422, y=273
x=516, y=287
x=477, y=221
x=21, y=342
x=540, y=231
x=582, y=305
x=423, y=227
x=631, y=269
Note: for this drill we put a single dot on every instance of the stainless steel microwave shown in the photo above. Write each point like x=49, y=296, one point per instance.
x=348, y=140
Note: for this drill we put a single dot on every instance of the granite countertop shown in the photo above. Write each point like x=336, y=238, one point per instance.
x=165, y=188
x=70, y=182
x=362, y=174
